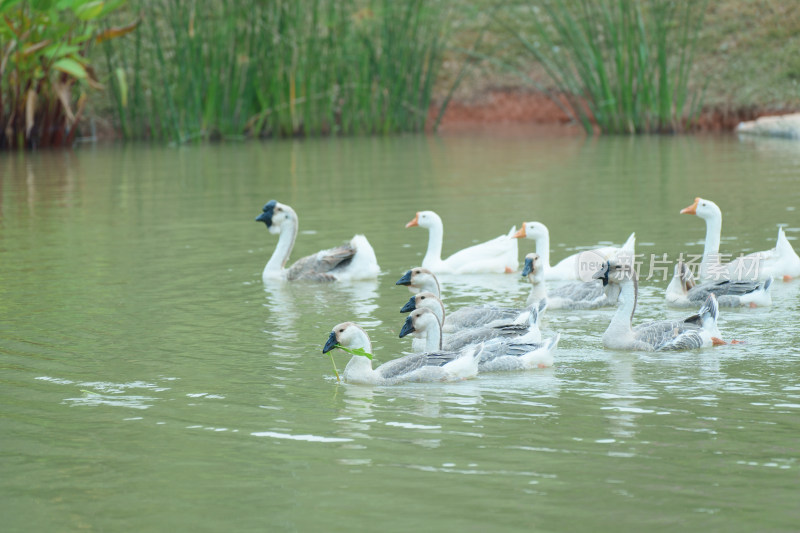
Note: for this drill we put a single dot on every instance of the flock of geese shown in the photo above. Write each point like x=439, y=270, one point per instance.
x=459, y=344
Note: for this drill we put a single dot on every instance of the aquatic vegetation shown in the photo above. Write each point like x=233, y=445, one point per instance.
x=622, y=65
x=206, y=70
x=45, y=72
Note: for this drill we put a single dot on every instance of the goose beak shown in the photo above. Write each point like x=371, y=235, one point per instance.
x=528, y=267
x=410, y=305
x=405, y=280
x=331, y=343
x=414, y=222
x=692, y=209
x=408, y=327
x=266, y=216
x=520, y=232
x=602, y=274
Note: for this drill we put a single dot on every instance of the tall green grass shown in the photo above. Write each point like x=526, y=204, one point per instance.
x=623, y=65
x=228, y=69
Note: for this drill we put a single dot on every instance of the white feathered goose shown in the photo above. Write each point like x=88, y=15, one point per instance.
x=423, y=280
x=781, y=262
x=498, y=255
x=696, y=331
x=435, y=366
x=352, y=261
x=682, y=291
x=499, y=354
x=572, y=295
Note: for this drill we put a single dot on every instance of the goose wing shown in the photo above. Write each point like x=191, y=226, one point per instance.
x=671, y=334
x=409, y=363
x=479, y=315
x=722, y=288
x=322, y=265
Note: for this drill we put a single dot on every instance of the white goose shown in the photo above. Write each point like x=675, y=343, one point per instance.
x=434, y=366
x=498, y=354
x=572, y=295
x=525, y=327
x=569, y=268
x=423, y=280
x=353, y=261
x=780, y=262
x=496, y=256
x=697, y=331
x=682, y=291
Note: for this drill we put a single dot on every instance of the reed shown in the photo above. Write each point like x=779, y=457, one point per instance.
x=623, y=65
x=276, y=68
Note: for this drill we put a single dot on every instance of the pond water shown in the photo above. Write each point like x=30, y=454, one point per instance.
x=150, y=381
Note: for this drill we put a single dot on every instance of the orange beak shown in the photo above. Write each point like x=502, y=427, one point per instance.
x=520, y=233
x=692, y=209
x=414, y=222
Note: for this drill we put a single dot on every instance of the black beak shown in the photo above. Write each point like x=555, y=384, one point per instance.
x=602, y=274
x=411, y=304
x=405, y=280
x=408, y=327
x=331, y=344
x=528, y=267
x=266, y=216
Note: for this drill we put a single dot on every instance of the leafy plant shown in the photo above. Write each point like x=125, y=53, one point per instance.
x=352, y=351
x=43, y=58
x=623, y=65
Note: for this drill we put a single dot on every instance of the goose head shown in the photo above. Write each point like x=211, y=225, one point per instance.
x=348, y=335
x=421, y=321
x=425, y=219
x=274, y=214
x=420, y=278
x=422, y=300
x=533, y=267
x=705, y=209
x=612, y=272
x=531, y=230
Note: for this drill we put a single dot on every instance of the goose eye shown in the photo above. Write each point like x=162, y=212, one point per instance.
x=422, y=297
x=341, y=330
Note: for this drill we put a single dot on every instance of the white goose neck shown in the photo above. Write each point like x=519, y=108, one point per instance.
x=433, y=256
x=621, y=323
x=543, y=248
x=538, y=289
x=284, y=247
x=711, y=248
x=433, y=338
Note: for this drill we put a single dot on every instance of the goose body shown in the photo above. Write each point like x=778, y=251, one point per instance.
x=498, y=354
x=696, y=331
x=433, y=366
x=572, y=295
x=780, y=262
x=423, y=280
x=525, y=326
x=683, y=292
x=354, y=260
x=569, y=268
x=498, y=255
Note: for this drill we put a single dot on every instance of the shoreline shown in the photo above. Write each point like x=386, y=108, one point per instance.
x=497, y=108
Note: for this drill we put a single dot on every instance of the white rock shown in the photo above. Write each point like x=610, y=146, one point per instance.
x=787, y=126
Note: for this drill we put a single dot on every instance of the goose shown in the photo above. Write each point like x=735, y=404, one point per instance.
x=434, y=366
x=423, y=280
x=497, y=354
x=573, y=295
x=697, y=331
x=352, y=261
x=779, y=262
x=525, y=326
x=498, y=255
x=682, y=291
x=571, y=267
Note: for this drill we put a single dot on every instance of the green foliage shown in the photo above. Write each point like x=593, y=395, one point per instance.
x=622, y=64
x=43, y=49
x=356, y=351
x=276, y=68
